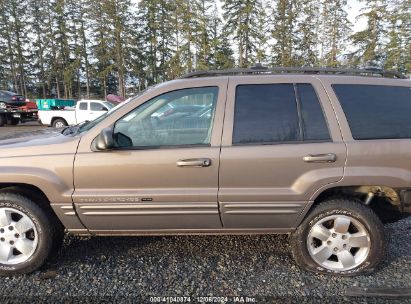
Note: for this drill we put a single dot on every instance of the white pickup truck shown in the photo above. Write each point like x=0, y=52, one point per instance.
x=83, y=111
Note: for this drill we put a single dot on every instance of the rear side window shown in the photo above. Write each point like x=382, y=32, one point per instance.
x=265, y=113
x=375, y=111
x=272, y=113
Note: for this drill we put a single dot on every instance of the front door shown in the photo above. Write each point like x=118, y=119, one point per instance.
x=278, y=149
x=163, y=173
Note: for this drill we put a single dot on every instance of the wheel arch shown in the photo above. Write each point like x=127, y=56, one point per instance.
x=384, y=200
x=33, y=193
x=58, y=118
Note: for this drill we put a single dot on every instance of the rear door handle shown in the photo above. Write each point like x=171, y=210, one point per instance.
x=320, y=158
x=194, y=162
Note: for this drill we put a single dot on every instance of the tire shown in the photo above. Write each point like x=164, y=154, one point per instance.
x=3, y=120
x=59, y=123
x=13, y=121
x=39, y=230
x=350, y=254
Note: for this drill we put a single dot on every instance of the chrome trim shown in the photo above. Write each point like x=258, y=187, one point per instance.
x=115, y=213
x=149, y=209
x=150, y=206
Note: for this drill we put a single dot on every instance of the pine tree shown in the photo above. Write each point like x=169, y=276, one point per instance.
x=307, y=33
x=102, y=48
x=13, y=13
x=334, y=32
x=241, y=23
x=369, y=42
x=284, y=21
x=262, y=30
x=398, y=48
x=205, y=10
x=39, y=53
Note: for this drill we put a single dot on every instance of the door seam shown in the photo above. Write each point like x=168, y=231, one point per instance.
x=219, y=163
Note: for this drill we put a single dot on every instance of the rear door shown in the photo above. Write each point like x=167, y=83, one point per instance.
x=278, y=149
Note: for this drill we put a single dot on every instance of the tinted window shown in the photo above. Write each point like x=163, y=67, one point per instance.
x=376, y=112
x=313, y=122
x=171, y=119
x=83, y=106
x=95, y=106
x=265, y=113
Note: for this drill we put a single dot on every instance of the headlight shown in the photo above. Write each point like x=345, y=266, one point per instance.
x=2, y=105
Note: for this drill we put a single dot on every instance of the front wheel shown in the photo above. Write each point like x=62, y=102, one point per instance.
x=28, y=235
x=59, y=123
x=339, y=236
x=13, y=121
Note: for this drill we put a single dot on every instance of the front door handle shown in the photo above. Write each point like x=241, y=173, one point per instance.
x=194, y=162
x=320, y=158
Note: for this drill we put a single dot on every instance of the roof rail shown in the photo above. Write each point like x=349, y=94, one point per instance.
x=258, y=69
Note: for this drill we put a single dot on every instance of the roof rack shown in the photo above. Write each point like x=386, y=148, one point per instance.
x=258, y=69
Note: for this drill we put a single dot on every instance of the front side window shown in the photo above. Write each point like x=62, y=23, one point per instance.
x=171, y=119
x=95, y=106
x=376, y=111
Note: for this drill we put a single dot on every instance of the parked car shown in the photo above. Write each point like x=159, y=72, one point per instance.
x=15, y=109
x=11, y=99
x=319, y=157
x=85, y=110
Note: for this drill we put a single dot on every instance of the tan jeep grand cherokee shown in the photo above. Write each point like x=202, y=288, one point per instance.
x=258, y=150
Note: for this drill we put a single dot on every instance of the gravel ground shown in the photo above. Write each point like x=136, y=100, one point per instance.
x=133, y=269
x=26, y=127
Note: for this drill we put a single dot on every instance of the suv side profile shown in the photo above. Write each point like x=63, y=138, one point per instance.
x=318, y=156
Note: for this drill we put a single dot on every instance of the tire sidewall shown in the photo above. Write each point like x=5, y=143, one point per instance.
x=44, y=239
x=377, y=247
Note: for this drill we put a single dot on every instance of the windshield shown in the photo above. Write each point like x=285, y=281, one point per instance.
x=109, y=105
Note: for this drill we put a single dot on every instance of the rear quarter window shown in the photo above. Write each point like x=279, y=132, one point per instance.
x=376, y=111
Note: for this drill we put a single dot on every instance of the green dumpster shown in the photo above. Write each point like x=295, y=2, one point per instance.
x=49, y=104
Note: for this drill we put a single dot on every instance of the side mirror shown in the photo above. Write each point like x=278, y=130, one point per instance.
x=105, y=140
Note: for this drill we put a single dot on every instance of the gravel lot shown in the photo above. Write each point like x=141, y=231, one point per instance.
x=133, y=269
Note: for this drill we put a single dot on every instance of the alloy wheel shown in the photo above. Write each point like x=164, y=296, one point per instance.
x=338, y=242
x=18, y=237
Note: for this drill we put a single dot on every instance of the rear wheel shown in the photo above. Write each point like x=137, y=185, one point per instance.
x=339, y=236
x=28, y=235
x=59, y=123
